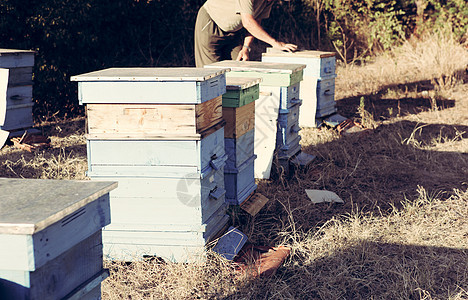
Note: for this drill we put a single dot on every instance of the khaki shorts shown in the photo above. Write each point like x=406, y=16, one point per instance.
x=212, y=44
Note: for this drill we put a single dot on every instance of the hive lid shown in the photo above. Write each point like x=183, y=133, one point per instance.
x=149, y=74
x=258, y=66
x=240, y=83
x=14, y=51
x=30, y=205
x=300, y=53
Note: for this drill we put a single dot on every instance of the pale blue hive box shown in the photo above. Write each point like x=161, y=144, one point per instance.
x=19, y=103
x=170, y=200
x=320, y=65
x=50, y=238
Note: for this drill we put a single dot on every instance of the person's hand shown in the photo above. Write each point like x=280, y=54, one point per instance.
x=243, y=54
x=285, y=46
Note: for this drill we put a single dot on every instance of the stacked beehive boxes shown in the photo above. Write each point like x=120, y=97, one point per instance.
x=276, y=110
x=19, y=103
x=159, y=132
x=50, y=238
x=239, y=114
x=317, y=90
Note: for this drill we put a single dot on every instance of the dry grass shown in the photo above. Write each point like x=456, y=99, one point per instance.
x=403, y=230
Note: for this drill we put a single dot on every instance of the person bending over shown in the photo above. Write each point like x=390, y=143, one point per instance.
x=218, y=30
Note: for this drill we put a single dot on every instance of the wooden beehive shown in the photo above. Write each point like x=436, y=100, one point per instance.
x=239, y=120
x=320, y=65
x=239, y=114
x=50, y=238
x=19, y=103
x=152, y=103
x=159, y=133
x=276, y=77
x=241, y=91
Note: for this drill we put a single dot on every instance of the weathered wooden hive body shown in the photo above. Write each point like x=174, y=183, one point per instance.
x=50, y=238
x=159, y=132
x=317, y=90
x=276, y=110
x=19, y=103
x=239, y=114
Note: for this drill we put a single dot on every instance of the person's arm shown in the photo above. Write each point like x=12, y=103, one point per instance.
x=255, y=29
x=244, y=52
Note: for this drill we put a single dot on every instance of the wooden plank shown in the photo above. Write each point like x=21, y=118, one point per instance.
x=239, y=120
x=150, y=74
x=58, y=277
x=50, y=242
x=208, y=114
x=20, y=76
x=13, y=58
x=144, y=136
x=254, y=204
x=20, y=215
x=153, y=119
x=141, y=118
x=3, y=94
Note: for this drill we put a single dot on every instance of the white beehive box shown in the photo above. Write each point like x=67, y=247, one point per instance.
x=319, y=65
x=50, y=238
x=19, y=104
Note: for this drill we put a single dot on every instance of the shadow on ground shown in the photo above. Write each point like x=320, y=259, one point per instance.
x=372, y=172
x=369, y=270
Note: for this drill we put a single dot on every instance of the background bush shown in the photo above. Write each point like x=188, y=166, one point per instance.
x=74, y=37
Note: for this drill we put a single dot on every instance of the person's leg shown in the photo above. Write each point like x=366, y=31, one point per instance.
x=208, y=40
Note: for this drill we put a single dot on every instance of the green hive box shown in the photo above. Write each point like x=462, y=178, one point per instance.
x=241, y=91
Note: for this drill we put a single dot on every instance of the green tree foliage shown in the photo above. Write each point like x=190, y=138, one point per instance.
x=439, y=14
